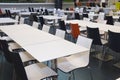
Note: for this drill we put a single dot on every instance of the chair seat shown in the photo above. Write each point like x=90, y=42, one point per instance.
x=67, y=64
x=118, y=79
x=6, y=38
x=82, y=28
x=104, y=41
x=39, y=71
x=50, y=22
x=26, y=56
x=14, y=46
x=68, y=31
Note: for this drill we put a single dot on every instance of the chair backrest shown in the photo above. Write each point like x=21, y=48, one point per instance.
x=62, y=25
x=90, y=15
x=86, y=19
x=22, y=20
x=46, y=28
x=17, y=18
x=0, y=11
x=29, y=9
x=64, y=17
x=41, y=20
x=5, y=49
x=117, y=23
x=46, y=12
x=18, y=66
x=119, y=19
x=102, y=21
x=33, y=17
x=114, y=41
x=77, y=16
x=93, y=33
x=32, y=9
x=8, y=13
x=60, y=33
x=75, y=30
x=110, y=20
x=15, y=59
x=83, y=41
x=104, y=5
x=101, y=16
x=85, y=15
x=35, y=24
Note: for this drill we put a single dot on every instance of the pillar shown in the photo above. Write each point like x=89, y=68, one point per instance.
x=58, y=4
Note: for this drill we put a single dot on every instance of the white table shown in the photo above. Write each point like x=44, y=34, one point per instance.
x=7, y=20
x=118, y=79
x=116, y=17
x=51, y=17
x=68, y=11
x=26, y=35
x=41, y=45
x=25, y=13
x=103, y=27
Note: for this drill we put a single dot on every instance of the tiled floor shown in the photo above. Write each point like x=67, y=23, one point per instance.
x=100, y=71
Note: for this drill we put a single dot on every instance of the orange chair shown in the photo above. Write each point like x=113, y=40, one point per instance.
x=71, y=9
x=0, y=11
x=88, y=4
x=78, y=3
x=75, y=30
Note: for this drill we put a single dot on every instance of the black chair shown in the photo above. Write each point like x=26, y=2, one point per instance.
x=77, y=16
x=26, y=73
x=32, y=9
x=104, y=5
x=62, y=25
x=29, y=9
x=113, y=45
x=110, y=20
x=97, y=45
x=92, y=4
x=14, y=59
x=41, y=21
x=33, y=17
x=7, y=53
x=8, y=13
x=46, y=12
x=85, y=15
x=67, y=9
x=119, y=19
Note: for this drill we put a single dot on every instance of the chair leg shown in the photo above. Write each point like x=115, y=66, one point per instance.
x=91, y=77
x=73, y=75
x=69, y=78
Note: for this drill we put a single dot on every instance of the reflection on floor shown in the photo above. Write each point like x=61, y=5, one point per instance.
x=100, y=71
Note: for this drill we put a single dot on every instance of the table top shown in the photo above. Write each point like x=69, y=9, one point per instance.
x=116, y=17
x=41, y=45
x=103, y=27
x=49, y=17
x=65, y=11
x=26, y=13
x=54, y=49
x=26, y=35
x=7, y=20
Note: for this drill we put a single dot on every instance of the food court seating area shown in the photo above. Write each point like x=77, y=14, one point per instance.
x=81, y=43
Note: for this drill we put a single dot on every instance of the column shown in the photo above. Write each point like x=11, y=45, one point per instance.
x=58, y=4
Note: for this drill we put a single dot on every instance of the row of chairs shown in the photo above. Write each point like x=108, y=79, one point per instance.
x=36, y=71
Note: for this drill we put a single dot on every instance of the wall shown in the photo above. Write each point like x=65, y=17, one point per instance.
x=26, y=5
